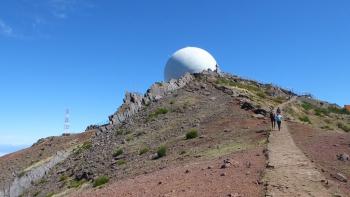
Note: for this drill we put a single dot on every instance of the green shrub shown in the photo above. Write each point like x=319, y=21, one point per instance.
x=117, y=152
x=63, y=178
x=193, y=133
x=318, y=113
x=172, y=102
x=21, y=173
x=326, y=127
x=305, y=119
x=121, y=162
x=306, y=106
x=321, y=112
x=223, y=81
x=76, y=183
x=182, y=152
x=42, y=181
x=129, y=138
x=344, y=127
x=261, y=95
x=160, y=111
x=278, y=99
x=156, y=113
x=143, y=151
x=50, y=194
x=161, y=151
x=242, y=85
x=100, y=181
x=119, y=132
x=86, y=145
x=36, y=193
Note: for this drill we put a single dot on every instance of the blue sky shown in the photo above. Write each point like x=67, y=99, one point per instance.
x=84, y=54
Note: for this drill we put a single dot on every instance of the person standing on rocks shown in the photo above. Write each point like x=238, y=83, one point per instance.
x=279, y=120
x=273, y=120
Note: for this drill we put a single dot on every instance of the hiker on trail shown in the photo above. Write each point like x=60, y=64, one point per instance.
x=273, y=119
x=279, y=120
x=278, y=111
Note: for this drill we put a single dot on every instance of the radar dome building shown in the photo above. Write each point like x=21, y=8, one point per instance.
x=189, y=60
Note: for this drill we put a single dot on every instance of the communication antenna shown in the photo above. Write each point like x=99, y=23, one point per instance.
x=66, y=121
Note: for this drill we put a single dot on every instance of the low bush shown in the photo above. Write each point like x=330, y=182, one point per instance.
x=193, y=133
x=22, y=173
x=63, y=178
x=306, y=106
x=326, y=127
x=129, y=138
x=261, y=95
x=85, y=146
x=121, y=162
x=344, y=127
x=305, y=119
x=117, y=152
x=321, y=112
x=160, y=111
x=143, y=150
x=119, y=132
x=50, y=194
x=76, y=183
x=161, y=151
x=100, y=181
x=278, y=99
x=157, y=112
x=242, y=85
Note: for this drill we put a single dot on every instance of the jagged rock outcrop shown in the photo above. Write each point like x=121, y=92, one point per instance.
x=133, y=102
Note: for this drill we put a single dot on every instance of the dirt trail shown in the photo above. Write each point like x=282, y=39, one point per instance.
x=290, y=172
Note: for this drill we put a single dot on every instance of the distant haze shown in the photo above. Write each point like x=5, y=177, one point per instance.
x=6, y=149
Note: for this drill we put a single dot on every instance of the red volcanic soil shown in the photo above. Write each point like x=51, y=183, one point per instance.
x=203, y=178
x=322, y=147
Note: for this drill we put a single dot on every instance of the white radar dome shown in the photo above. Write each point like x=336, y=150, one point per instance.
x=188, y=59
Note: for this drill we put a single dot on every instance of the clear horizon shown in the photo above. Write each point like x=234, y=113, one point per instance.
x=84, y=55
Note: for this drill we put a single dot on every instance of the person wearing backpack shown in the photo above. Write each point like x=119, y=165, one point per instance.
x=279, y=121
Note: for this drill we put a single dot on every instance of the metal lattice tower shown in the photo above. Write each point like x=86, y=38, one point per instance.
x=66, y=121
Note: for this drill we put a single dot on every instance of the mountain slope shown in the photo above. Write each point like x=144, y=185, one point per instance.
x=174, y=140
x=219, y=108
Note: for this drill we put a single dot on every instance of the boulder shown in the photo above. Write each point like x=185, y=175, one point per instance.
x=343, y=157
x=259, y=116
x=261, y=111
x=247, y=106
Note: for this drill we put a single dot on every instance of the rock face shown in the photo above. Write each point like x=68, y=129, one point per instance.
x=25, y=181
x=133, y=102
